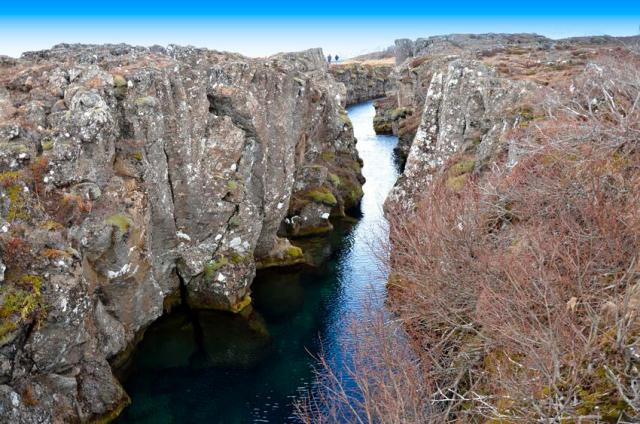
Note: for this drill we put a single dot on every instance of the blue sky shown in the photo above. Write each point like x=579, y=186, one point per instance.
x=261, y=28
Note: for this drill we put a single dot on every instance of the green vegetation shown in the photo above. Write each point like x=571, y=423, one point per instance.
x=234, y=187
x=334, y=180
x=385, y=128
x=212, y=266
x=351, y=192
x=123, y=221
x=456, y=183
x=119, y=81
x=327, y=156
x=146, y=101
x=19, y=301
x=322, y=195
x=294, y=252
x=14, y=148
x=238, y=307
x=462, y=167
x=346, y=120
x=237, y=258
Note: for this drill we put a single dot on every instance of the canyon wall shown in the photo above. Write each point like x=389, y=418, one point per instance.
x=364, y=80
x=511, y=57
x=135, y=178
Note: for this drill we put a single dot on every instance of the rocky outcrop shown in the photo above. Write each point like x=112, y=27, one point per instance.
x=131, y=174
x=516, y=57
x=364, y=81
x=469, y=108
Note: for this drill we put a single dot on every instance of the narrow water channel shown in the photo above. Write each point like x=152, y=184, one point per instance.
x=213, y=367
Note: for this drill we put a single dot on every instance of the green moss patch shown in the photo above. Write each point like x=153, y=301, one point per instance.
x=238, y=307
x=322, y=195
x=346, y=120
x=146, y=101
x=119, y=81
x=463, y=167
x=235, y=221
x=334, y=180
x=123, y=221
x=456, y=183
x=237, y=258
x=327, y=156
x=294, y=251
x=19, y=301
x=214, y=265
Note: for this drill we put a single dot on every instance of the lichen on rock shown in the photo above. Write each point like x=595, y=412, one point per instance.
x=165, y=169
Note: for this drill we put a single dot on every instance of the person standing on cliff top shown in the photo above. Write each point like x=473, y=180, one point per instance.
x=329, y=59
x=336, y=58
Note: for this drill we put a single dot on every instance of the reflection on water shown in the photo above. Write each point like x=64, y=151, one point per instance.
x=214, y=367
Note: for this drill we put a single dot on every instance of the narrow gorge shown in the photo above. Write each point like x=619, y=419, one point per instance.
x=185, y=231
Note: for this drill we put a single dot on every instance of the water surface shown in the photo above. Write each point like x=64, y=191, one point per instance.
x=215, y=367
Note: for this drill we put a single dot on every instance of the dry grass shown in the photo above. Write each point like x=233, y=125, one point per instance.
x=377, y=62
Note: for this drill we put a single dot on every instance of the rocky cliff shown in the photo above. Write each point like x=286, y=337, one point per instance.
x=364, y=80
x=516, y=57
x=133, y=179
x=463, y=92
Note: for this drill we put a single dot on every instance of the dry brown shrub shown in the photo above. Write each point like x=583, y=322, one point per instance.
x=520, y=292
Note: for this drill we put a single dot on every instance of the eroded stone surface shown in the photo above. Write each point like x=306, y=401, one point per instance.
x=128, y=171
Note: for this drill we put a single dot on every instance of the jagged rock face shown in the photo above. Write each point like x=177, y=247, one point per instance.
x=363, y=82
x=518, y=57
x=400, y=121
x=465, y=43
x=126, y=171
x=468, y=108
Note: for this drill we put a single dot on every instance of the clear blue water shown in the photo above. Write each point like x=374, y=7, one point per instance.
x=215, y=367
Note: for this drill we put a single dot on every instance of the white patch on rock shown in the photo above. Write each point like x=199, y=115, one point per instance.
x=182, y=235
x=236, y=242
x=116, y=274
x=15, y=400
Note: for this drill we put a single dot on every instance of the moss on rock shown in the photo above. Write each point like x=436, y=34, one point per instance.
x=294, y=251
x=214, y=265
x=327, y=156
x=322, y=195
x=334, y=180
x=119, y=81
x=462, y=167
x=238, y=307
x=123, y=221
x=315, y=230
x=146, y=101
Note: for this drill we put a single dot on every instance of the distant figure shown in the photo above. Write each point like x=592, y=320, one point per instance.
x=336, y=58
x=329, y=59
